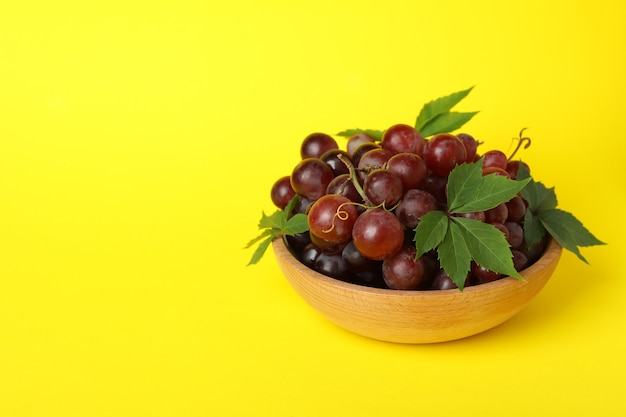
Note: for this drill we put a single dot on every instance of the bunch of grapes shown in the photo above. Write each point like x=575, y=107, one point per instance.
x=364, y=203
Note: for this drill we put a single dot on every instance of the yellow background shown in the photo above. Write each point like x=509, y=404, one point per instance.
x=138, y=143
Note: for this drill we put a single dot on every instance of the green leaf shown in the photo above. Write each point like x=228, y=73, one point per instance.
x=430, y=231
x=275, y=220
x=289, y=208
x=377, y=135
x=260, y=250
x=522, y=172
x=539, y=197
x=533, y=229
x=454, y=255
x=493, y=190
x=487, y=246
x=265, y=233
x=438, y=106
x=568, y=231
x=546, y=198
x=276, y=225
x=446, y=122
x=297, y=224
x=463, y=184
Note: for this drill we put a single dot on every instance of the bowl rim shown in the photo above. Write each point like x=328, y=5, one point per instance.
x=553, y=250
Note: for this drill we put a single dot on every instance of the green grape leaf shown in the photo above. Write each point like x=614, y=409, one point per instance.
x=546, y=198
x=265, y=233
x=539, y=197
x=260, y=250
x=487, y=246
x=446, y=122
x=275, y=220
x=297, y=224
x=463, y=184
x=454, y=255
x=467, y=193
x=533, y=229
x=437, y=107
x=276, y=225
x=568, y=231
x=377, y=135
x=430, y=231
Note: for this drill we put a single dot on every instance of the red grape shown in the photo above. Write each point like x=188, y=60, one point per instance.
x=332, y=217
x=443, y=152
x=415, y=203
x=383, y=187
x=314, y=145
x=517, y=209
x=403, y=271
x=311, y=177
x=282, y=192
x=512, y=167
x=356, y=141
x=470, y=146
x=410, y=168
x=402, y=138
x=494, y=158
x=377, y=234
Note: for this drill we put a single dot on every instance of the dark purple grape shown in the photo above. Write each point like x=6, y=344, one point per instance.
x=356, y=262
x=309, y=255
x=442, y=281
x=483, y=274
x=301, y=205
x=498, y=214
x=314, y=145
x=516, y=234
x=330, y=248
x=332, y=266
x=501, y=227
x=516, y=208
x=343, y=185
x=336, y=165
x=437, y=186
x=520, y=261
x=372, y=277
x=296, y=243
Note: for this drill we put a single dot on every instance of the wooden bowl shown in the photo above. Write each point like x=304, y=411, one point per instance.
x=416, y=316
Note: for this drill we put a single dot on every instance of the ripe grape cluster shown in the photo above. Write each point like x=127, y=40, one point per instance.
x=364, y=203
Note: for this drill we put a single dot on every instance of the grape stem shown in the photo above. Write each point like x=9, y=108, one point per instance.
x=354, y=177
x=520, y=140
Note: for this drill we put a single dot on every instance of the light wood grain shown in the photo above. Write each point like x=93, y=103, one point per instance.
x=416, y=316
